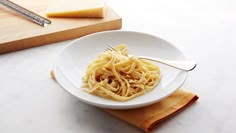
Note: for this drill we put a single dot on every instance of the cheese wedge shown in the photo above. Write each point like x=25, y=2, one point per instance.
x=77, y=8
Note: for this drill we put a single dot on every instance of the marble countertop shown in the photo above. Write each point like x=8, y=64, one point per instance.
x=30, y=102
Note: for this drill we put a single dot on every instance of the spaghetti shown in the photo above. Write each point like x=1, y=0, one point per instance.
x=117, y=76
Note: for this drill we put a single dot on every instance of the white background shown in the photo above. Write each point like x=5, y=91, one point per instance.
x=30, y=102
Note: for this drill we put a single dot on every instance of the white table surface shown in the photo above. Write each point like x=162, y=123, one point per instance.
x=30, y=102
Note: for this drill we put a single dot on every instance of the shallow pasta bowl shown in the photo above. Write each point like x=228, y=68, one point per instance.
x=71, y=63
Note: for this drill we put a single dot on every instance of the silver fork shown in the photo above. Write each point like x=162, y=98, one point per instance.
x=185, y=65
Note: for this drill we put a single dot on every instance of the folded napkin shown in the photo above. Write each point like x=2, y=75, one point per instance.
x=147, y=117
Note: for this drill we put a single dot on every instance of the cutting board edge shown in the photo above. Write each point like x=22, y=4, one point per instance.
x=53, y=38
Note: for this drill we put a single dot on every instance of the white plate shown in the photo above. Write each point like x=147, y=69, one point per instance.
x=71, y=63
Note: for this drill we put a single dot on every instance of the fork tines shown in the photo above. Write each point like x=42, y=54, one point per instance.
x=110, y=48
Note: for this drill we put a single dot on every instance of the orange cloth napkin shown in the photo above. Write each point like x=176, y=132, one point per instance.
x=147, y=117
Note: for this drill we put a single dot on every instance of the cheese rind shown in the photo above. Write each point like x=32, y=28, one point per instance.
x=77, y=8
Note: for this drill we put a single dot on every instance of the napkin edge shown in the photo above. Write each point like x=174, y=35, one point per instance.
x=149, y=128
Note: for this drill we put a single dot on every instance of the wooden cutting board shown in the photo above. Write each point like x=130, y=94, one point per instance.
x=17, y=33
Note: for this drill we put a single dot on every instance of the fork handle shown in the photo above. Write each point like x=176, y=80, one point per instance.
x=186, y=65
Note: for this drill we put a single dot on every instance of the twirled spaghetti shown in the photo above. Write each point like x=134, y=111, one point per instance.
x=117, y=76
